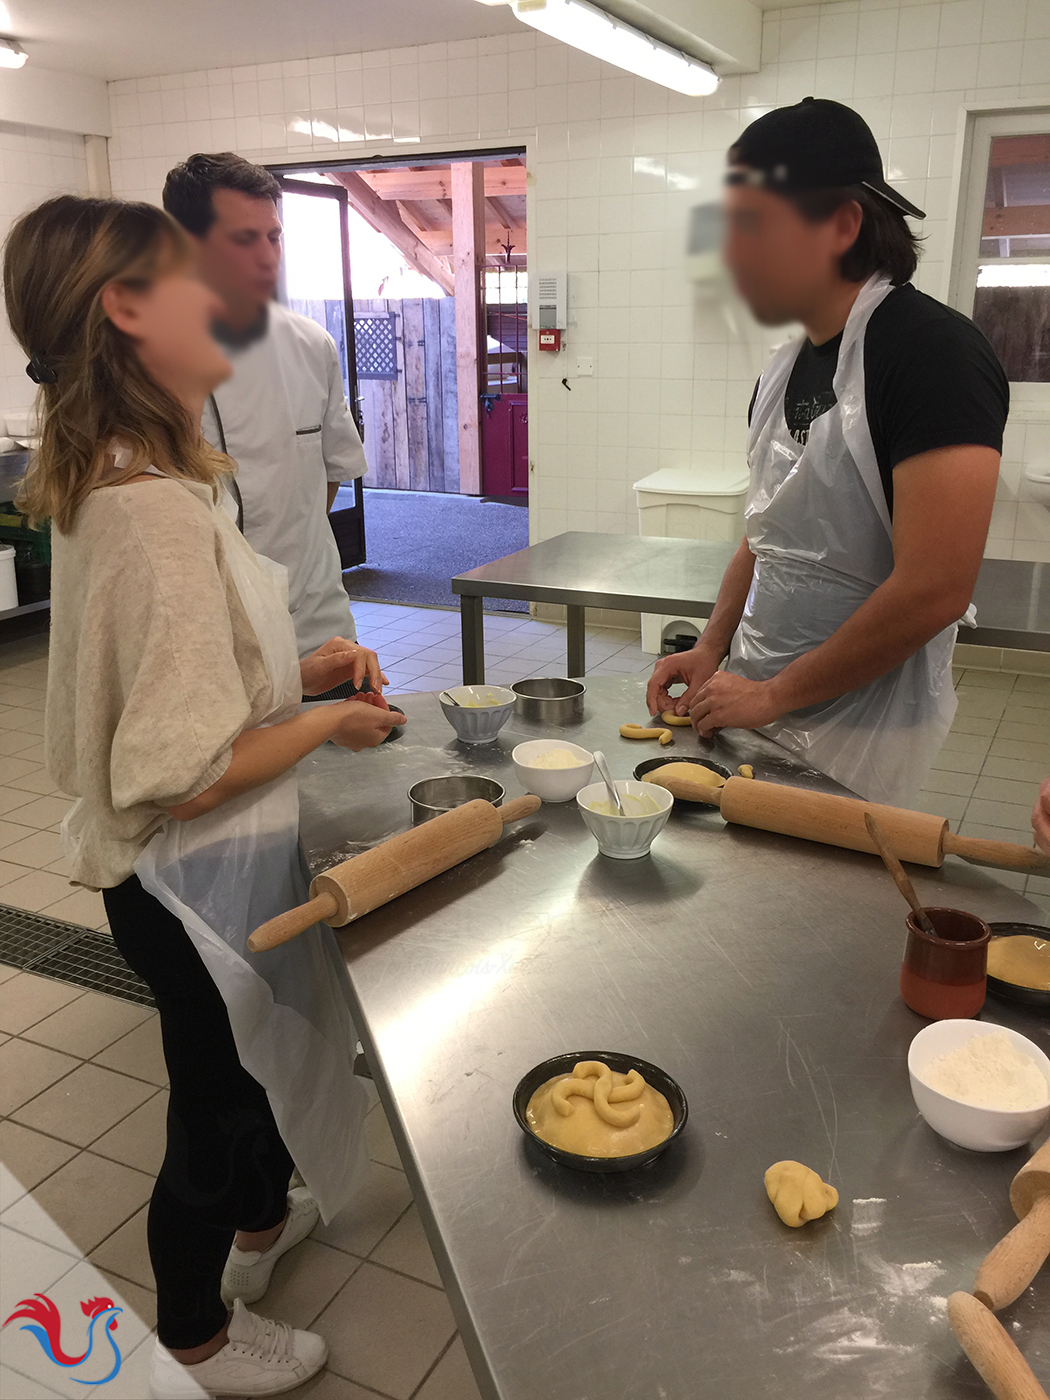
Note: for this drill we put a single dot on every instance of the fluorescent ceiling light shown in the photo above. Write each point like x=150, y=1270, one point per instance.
x=586, y=27
x=1019, y=275
x=12, y=54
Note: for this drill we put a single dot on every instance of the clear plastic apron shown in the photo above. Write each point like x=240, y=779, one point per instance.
x=819, y=527
x=223, y=874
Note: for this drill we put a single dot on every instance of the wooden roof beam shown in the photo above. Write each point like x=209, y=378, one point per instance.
x=436, y=183
x=386, y=219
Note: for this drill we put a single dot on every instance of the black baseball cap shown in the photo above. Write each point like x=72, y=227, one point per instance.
x=814, y=145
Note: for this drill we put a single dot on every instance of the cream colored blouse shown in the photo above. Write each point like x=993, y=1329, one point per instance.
x=153, y=667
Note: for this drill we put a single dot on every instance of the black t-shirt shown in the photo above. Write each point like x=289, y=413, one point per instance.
x=931, y=380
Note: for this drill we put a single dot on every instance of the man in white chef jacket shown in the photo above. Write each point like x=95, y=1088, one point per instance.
x=283, y=416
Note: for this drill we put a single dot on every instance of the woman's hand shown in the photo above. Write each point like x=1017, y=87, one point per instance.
x=363, y=724
x=1041, y=817
x=693, y=668
x=338, y=661
x=729, y=701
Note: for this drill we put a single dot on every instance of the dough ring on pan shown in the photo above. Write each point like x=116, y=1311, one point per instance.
x=593, y=1080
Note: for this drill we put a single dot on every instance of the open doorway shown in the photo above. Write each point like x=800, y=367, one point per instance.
x=424, y=287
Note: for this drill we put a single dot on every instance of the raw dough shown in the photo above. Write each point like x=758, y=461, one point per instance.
x=746, y=771
x=798, y=1194
x=638, y=731
x=688, y=773
x=1021, y=958
x=669, y=717
x=598, y=1112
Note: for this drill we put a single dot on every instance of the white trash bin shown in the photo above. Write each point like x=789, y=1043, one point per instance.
x=8, y=583
x=691, y=503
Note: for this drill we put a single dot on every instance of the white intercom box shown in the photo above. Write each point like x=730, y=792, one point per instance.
x=551, y=301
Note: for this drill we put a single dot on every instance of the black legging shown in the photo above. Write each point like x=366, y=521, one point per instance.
x=225, y=1167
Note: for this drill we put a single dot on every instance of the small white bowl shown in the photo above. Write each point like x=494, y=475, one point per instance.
x=552, y=784
x=625, y=838
x=482, y=711
x=968, y=1124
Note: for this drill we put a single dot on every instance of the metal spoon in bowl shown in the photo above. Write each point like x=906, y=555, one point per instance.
x=895, y=868
x=451, y=699
x=607, y=779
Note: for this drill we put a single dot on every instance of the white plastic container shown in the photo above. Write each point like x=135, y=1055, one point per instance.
x=8, y=583
x=689, y=503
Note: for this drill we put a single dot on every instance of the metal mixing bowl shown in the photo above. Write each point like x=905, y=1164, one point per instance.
x=433, y=796
x=550, y=699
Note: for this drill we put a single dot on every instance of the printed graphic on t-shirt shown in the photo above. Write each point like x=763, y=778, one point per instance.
x=801, y=412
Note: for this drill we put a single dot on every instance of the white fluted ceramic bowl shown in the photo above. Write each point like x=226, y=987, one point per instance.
x=624, y=838
x=481, y=713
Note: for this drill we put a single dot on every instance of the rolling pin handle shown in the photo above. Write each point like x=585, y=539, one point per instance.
x=277, y=931
x=1002, y=855
x=993, y=1353
x=1014, y=1262
x=519, y=807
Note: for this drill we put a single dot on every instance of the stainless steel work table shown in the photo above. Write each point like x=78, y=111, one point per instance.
x=636, y=573
x=758, y=970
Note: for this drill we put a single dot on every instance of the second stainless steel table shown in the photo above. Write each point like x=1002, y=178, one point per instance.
x=644, y=574
x=758, y=970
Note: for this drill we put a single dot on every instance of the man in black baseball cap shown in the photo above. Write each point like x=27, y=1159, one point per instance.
x=873, y=450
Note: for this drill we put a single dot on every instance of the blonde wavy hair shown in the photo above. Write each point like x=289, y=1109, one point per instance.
x=93, y=387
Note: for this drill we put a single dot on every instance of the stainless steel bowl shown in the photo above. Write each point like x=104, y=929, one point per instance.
x=433, y=796
x=550, y=699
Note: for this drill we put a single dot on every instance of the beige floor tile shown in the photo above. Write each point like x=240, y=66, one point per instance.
x=83, y=1105
x=82, y=1203
x=13, y=694
x=952, y=761
x=306, y=1280
x=329, y=1386
x=29, y=1267
x=451, y=1378
x=8, y=872
x=1014, y=729
x=27, y=1070
x=385, y=1330
x=381, y=1146
x=17, y=741
x=36, y=753
x=988, y=680
x=139, y=1139
x=39, y=783
x=1033, y=685
x=1008, y=816
x=360, y=1227
x=62, y=866
x=43, y=812
x=979, y=703
x=77, y=906
x=35, y=889
x=13, y=798
x=959, y=784
x=14, y=1386
x=941, y=804
x=406, y=1249
x=29, y=1157
x=1018, y=769
x=126, y=1253
x=88, y=1025
x=140, y=1054
x=6, y=972
x=36, y=851
x=957, y=742
x=1020, y=710
x=962, y=724
x=26, y=999
x=1024, y=749
x=1022, y=792
x=18, y=717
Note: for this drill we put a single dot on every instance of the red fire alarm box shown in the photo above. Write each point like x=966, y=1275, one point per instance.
x=550, y=340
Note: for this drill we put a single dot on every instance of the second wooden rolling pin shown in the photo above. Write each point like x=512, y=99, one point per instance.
x=364, y=882
x=918, y=837
x=1014, y=1262
x=992, y=1351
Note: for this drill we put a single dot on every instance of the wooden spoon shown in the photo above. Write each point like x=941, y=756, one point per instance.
x=895, y=868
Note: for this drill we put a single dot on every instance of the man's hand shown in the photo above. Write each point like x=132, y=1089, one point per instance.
x=338, y=661
x=692, y=668
x=728, y=701
x=1041, y=817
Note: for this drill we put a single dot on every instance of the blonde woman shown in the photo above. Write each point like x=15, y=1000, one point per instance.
x=173, y=717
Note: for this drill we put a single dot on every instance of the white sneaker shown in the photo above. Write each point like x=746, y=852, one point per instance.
x=247, y=1272
x=260, y=1358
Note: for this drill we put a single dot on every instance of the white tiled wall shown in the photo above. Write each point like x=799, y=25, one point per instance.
x=1021, y=524
x=34, y=164
x=615, y=165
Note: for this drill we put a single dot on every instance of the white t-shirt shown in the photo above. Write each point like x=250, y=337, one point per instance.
x=287, y=426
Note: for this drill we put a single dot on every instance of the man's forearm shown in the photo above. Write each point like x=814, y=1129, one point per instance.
x=893, y=624
x=729, y=606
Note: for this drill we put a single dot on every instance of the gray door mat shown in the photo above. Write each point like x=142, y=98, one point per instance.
x=68, y=953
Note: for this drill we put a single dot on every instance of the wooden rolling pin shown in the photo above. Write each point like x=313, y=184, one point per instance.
x=364, y=882
x=984, y=1340
x=918, y=837
x=1014, y=1262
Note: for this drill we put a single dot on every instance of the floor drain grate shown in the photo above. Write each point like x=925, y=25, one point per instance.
x=68, y=953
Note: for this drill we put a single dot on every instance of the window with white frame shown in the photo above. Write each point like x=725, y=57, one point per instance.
x=1001, y=267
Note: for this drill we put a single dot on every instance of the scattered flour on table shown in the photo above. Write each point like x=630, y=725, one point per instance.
x=990, y=1072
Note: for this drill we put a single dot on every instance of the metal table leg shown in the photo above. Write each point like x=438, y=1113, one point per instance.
x=575, y=639
x=472, y=630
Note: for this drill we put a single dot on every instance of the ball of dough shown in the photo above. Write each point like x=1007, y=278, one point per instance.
x=798, y=1194
x=598, y=1112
